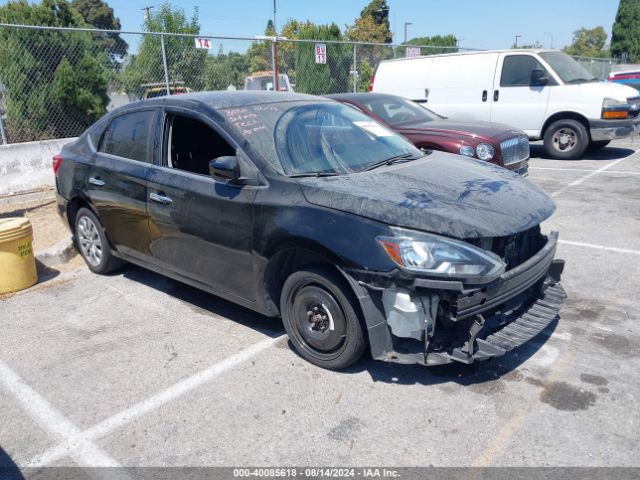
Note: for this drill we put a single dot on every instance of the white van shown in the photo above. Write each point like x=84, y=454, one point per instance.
x=543, y=92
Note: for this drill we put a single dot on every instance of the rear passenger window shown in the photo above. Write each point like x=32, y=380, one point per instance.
x=516, y=70
x=129, y=135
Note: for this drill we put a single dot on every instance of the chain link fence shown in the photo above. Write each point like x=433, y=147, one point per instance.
x=54, y=82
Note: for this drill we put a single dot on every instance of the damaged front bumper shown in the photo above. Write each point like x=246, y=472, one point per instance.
x=432, y=322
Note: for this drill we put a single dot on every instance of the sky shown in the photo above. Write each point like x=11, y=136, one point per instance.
x=488, y=24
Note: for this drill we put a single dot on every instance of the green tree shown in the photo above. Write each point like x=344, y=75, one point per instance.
x=434, y=45
x=224, y=70
x=372, y=26
x=588, y=42
x=625, y=36
x=321, y=79
x=100, y=15
x=185, y=63
x=378, y=10
x=53, y=85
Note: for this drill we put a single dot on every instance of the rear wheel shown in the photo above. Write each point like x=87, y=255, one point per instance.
x=599, y=144
x=93, y=244
x=566, y=139
x=321, y=320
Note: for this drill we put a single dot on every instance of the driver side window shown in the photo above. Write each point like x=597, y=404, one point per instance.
x=517, y=70
x=191, y=145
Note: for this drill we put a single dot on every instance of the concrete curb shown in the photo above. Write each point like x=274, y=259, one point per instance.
x=61, y=252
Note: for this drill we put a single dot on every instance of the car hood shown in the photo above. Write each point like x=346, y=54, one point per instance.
x=441, y=193
x=485, y=130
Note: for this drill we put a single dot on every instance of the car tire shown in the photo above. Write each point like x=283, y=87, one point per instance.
x=321, y=320
x=566, y=139
x=598, y=145
x=93, y=244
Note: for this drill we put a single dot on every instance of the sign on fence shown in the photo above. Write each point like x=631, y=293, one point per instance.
x=412, y=52
x=203, y=43
x=321, y=53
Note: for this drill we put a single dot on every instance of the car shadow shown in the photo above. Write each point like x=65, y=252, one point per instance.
x=476, y=373
x=8, y=468
x=607, y=153
x=201, y=301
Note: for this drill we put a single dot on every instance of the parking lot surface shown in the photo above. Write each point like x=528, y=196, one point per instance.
x=136, y=369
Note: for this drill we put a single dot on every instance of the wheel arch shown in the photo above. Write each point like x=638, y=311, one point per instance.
x=292, y=257
x=565, y=115
x=77, y=202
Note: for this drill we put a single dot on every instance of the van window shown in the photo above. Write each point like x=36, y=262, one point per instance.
x=193, y=144
x=516, y=70
x=128, y=136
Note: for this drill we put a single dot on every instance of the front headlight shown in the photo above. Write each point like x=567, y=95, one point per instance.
x=485, y=151
x=441, y=257
x=467, y=150
x=613, y=109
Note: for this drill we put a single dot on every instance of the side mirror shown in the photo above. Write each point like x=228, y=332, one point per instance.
x=538, y=79
x=225, y=169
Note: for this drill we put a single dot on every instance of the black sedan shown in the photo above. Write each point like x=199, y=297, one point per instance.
x=304, y=208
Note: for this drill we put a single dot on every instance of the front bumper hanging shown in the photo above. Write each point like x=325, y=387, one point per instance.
x=500, y=317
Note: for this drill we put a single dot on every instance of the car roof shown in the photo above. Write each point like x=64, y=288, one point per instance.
x=362, y=96
x=473, y=52
x=223, y=99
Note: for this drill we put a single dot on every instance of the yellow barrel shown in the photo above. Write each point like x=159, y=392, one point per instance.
x=17, y=263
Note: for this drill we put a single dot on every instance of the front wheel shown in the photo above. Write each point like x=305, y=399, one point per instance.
x=93, y=244
x=566, y=139
x=321, y=320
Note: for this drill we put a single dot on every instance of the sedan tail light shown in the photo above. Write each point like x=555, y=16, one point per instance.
x=57, y=161
x=373, y=77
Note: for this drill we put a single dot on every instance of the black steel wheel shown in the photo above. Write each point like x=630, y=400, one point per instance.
x=320, y=319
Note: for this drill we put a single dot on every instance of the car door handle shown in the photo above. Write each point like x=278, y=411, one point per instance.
x=97, y=181
x=484, y=95
x=160, y=198
x=496, y=95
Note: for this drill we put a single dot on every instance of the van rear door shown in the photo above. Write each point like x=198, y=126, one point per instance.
x=520, y=94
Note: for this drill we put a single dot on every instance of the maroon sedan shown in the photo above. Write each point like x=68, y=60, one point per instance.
x=491, y=142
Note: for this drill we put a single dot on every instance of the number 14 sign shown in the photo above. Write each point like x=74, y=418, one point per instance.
x=203, y=43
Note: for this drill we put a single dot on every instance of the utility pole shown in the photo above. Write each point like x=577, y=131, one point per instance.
x=517, y=37
x=551, y=36
x=146, y=11
x=274, y=51
x=406, y=24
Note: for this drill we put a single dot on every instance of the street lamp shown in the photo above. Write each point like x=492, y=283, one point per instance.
x=406, y=24
x=550, y=35
x=517, y=37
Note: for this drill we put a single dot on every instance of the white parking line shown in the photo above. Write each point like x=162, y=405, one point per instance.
x=69, y=446
x=617, y=172
x=84, y=452
x=600, y=247
x=588, y=176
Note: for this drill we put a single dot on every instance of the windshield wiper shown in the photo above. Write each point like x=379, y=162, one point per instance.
x=390, y=161
x=313, y=174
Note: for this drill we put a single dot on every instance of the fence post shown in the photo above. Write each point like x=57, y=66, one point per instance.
x=355, y=69
x=164, y=62
x=3, y=134
x=274, y=62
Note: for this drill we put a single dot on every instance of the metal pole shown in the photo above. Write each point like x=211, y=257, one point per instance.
x=2, y=132
x=355, y=70
x=164, y=61
x=274, y=61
